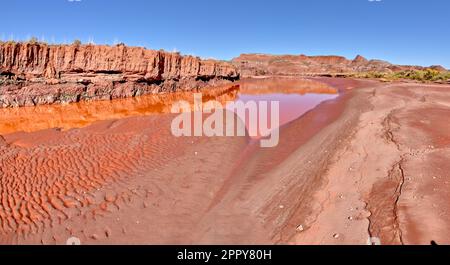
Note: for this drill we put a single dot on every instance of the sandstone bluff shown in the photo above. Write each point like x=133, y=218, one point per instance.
x=38, y=73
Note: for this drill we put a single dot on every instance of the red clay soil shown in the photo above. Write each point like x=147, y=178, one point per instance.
x=373, y=163
x=124, y=181
x=390, y=180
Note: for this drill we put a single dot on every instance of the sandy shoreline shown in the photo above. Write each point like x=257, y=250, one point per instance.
x=390, y=178
x=372, y=163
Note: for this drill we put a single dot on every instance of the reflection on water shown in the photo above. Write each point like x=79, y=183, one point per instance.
x=76, y=115
x=292, y=106
x=296, y=97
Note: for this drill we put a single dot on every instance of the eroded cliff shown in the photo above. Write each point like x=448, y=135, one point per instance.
x=37, y=73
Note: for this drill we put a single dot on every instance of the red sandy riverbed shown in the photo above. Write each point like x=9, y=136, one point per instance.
x=130, y=181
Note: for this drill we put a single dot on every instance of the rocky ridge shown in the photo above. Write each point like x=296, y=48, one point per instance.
x=264, y=64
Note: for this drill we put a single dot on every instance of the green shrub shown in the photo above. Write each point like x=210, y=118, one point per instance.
x=429, y=74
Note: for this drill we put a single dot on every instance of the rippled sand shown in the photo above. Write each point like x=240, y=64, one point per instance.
x=115, y=173
x=372, y=162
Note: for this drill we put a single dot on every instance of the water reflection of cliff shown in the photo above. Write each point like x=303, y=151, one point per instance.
x=29, y=119
x=285, y=86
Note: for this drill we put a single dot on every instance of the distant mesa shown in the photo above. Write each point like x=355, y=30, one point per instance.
x=265, y=64
x=359, y=59
x=438, y=68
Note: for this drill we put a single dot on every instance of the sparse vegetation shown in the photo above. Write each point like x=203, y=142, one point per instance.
x=34, y=40
x=427, y=75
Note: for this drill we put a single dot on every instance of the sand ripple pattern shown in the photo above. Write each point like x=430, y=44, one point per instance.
x=43, y=185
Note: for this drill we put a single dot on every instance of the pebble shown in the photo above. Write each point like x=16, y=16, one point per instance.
x=336, y=236
x=110, y=197
x=107, y=232
x=300, y=228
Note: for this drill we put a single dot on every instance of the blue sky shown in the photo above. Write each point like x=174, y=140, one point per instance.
x=400, y=31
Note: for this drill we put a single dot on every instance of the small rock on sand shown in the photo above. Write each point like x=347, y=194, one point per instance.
x=2, y=141
x=108, y=232
x=109, y=197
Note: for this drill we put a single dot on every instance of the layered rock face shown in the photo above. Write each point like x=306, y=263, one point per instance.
x=36, y=73
x=263, y=64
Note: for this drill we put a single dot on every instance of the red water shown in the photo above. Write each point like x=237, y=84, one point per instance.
x=295, y=97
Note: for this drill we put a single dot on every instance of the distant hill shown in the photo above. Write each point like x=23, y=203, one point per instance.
x=265, y=64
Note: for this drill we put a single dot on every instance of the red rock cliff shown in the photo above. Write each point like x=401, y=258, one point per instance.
x=33, y=74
